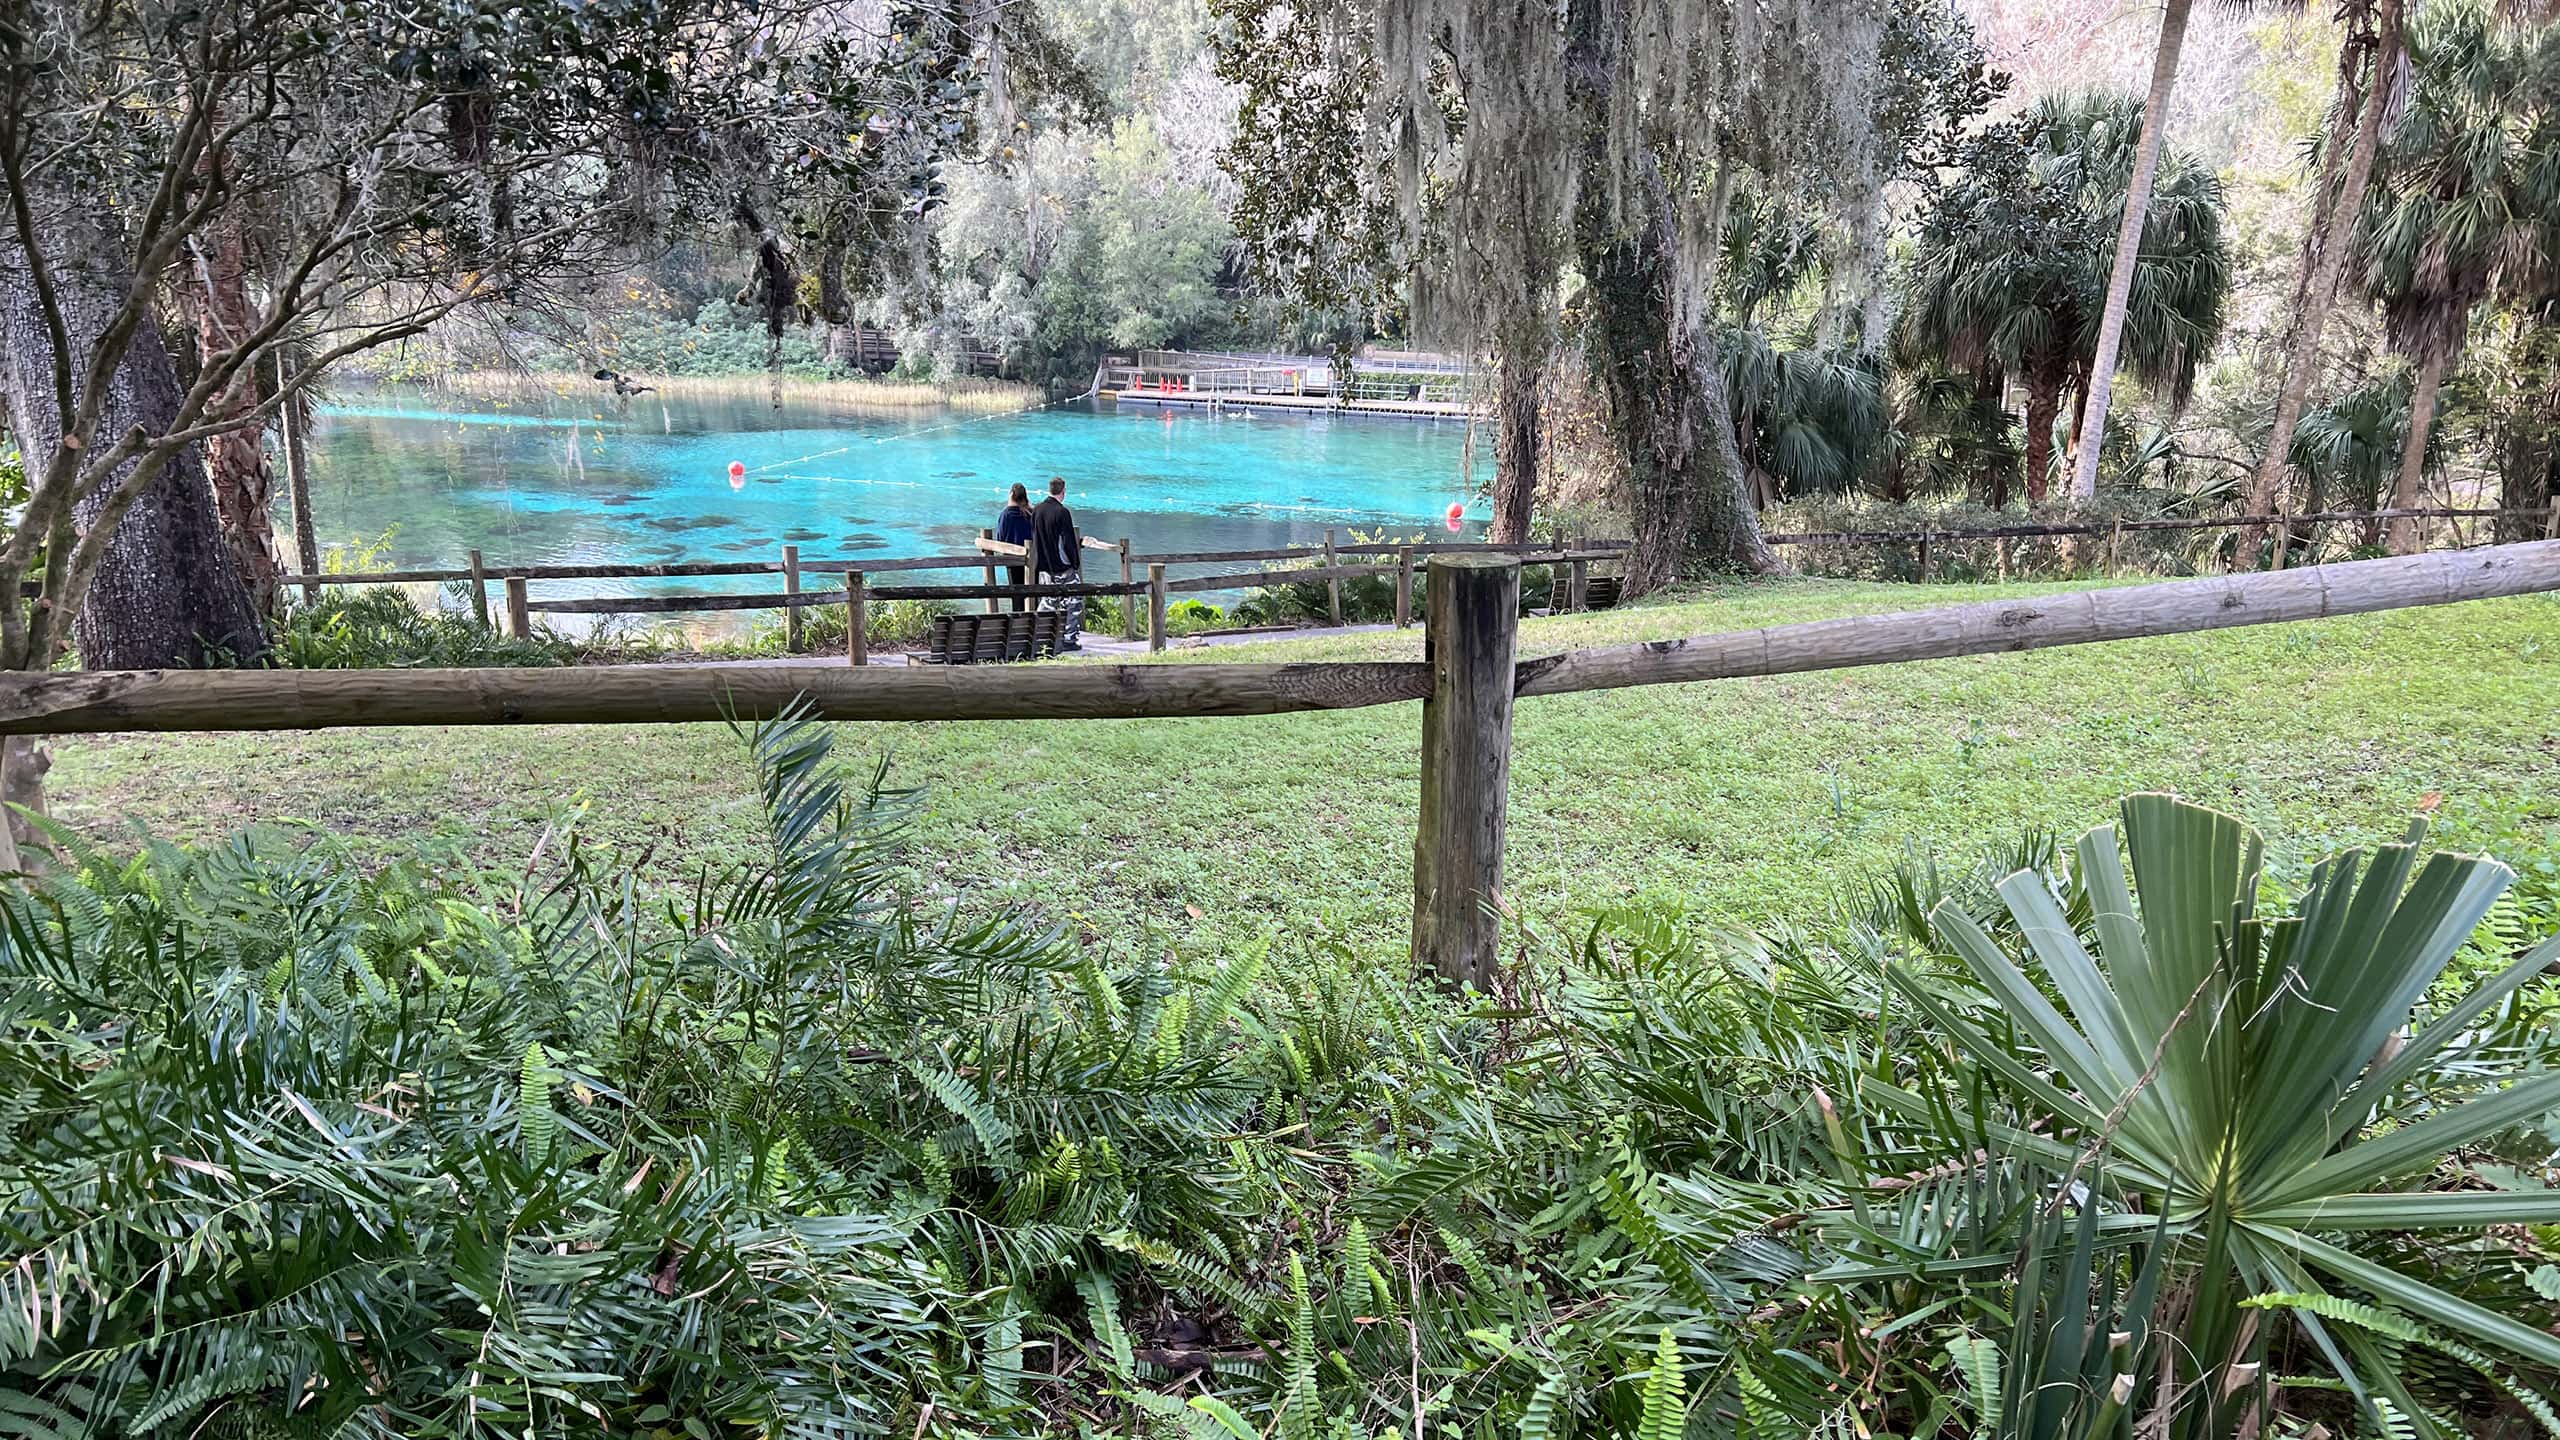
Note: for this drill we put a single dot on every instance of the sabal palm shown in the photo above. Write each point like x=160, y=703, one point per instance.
x=2230, y=1067
x=1808, y=420
x=2466, y=204
x=2014, y=257
x=2350, y=447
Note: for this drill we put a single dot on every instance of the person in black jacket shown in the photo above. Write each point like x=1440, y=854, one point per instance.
x=1059, y=552
x=1013, y=527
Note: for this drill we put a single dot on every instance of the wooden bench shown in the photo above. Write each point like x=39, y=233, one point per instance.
x=985, y=639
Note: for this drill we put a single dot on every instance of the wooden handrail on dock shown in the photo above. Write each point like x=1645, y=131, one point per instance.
x=858, y=573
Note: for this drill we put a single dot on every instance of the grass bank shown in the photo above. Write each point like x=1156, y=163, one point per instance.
x=1746, y=801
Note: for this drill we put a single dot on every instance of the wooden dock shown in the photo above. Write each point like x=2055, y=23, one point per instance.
x=1294, y=404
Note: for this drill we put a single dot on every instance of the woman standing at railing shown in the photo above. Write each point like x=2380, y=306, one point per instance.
x=1013, y=527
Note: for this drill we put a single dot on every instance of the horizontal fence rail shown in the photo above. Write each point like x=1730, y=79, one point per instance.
x=989, y=557
x=1468, y=687
x=706, y=569
x=2125, y=612
x=93, y=701
x=657, y=604
x=2223, y=522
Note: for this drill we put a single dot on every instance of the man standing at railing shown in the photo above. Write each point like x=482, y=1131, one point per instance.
x=1059, y=553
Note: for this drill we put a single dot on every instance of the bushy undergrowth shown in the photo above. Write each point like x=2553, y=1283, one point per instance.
x=887, y=624
x=381, y=627
x=2136, y=552
x=290, y=1147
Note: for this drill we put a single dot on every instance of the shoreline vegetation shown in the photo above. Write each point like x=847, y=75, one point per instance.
x=883, y=395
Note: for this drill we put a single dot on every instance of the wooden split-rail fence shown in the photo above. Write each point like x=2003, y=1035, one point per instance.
x=1570, y=561
x=1469, y=680
x=2301, y=531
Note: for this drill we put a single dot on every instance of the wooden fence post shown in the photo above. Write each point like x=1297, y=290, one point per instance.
x=2551, y=525
x=2115, y=538
x=1470, y=636
x=2003, y=549
x=519, y=619
x=1578, y=586
x=993, y=604
x=479, y=590
x=857, y=621
x=1128, y=602
x=2283, y=532
x=1155, y=607
x=1404, y=584
x=791, y=586
x=1924, y=557
x=1332, y=588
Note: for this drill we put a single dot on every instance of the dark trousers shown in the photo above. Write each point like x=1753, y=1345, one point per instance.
x=1070, y=608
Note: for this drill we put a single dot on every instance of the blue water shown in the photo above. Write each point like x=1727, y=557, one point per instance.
x=593, y=482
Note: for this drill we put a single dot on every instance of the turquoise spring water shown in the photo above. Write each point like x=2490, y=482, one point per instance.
x=594, y=481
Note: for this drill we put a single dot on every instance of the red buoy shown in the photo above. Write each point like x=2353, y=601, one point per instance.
x=1457, y=515
x=737, y=474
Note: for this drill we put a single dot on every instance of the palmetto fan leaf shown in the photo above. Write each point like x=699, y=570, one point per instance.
x=2230, y=1065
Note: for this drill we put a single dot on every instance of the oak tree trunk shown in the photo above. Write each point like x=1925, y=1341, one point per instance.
x=168, y=591
x=235, y=462
x=1655, y=366
x=2137, y=204
x=1515, y=474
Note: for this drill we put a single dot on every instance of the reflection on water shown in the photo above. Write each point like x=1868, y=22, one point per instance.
x=602, y=482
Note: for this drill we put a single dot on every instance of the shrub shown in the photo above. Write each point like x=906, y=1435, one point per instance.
x=380, y=627
x=289, y=1145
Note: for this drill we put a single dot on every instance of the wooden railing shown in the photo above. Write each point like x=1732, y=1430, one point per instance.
x=1571, y=564
x=1147, y=574
x=2302, y=532
x=1468, y=682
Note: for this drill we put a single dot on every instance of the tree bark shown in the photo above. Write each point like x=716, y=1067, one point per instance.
x=1990, y=394
x=295, y=420
x=2413, y=450
x=168, y=591
x=2334, y=234
x=2137, y=204
x=1654, y=364
x=1515, y=474
x=235, y=462
x=2044, y=404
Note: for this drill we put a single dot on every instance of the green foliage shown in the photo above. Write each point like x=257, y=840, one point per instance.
x=2008, y=278
x=1810, y=420
x=887, y=624
x=1666, y=1393
x=2231, y=1069
x=2465, y=204
x=381, y=627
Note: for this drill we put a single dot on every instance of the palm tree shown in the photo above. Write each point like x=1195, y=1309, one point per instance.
x=2350, y=448
x=2467, y=204
x=1808, y=421
x=2013, y=261
x=2367, y=61
x=2130, y=227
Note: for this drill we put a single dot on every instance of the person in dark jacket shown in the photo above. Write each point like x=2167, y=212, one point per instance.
x=1059, y=552
x=1013, y=527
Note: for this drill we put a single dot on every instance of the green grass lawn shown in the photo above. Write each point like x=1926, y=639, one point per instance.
x=1746, y=801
